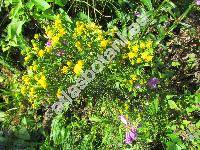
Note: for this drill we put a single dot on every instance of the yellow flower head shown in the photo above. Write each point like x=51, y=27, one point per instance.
x=134, y=77
x=35, y=67
x=62, y=31
x=139, y=60
x=42, y=82
x=23, y=90
x=126, y=106
x=59, y=93
x=27, y=58
x=135, y=48
x=26, y=80
x=80, y=62
x=64, y=69
x=147, y=57
x=78, y=67
x=32, y=92
x=104, y=43
x=55, y=40
x=69, y=63
x=48, y=31
x=36, y=36
x=142, y=45
x=41, y=53
x=120, y=111
x=48, y=49
x=149, y=44
x=78, y=45
x=57, y=23
x=79, y=28
x=36, y=77
x=131, y=55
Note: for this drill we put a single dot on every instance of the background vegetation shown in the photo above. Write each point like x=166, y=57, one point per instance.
x=153, y=83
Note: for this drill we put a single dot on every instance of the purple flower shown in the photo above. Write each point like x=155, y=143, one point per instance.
x=152, y=83
x=123, y=119
x=137, y=14
x=198, y=2
x=137, y=86
x=48, y=44
x=131, y=136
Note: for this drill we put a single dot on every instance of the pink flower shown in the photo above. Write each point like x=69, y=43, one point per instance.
x=131, y=135
x=123, y=119
x=198, y=2
x=48, y=44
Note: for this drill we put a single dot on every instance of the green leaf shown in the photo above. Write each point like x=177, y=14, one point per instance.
x=2, y=116
x=175, y=64
x=156, y=103
x=95, y=119
x=41, y=4
x=172, y=104
x=185, y=122
x=30, y=5
x=61, y=2
x=65, y=15
x=147, y=3
x=83, y=17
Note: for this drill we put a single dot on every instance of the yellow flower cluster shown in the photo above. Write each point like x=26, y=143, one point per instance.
x=89, y=31
x=78, y=67
x=42, y=81
x=64, y=69
x=59, y=93
x=26, y=80
x=54, y=34
x=140, y=51
x=78, y=45
x=133, y=78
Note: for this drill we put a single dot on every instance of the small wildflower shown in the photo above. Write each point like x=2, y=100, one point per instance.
x=69, y=63
x=104, y=43
x=23, y=90
x=27, y=58
x=123, y=119
x=59, y=93
x=152, y=83
x=139, y=60
x=137, y=14
x=126, y=106
x=137, y=86
x=26, y=80
x=134, y=77
x=41, y=53
x=78, y=45
x=198, y=2
x=35, y=67
x=131, y=135
x=48, y=44
x=78, y=67
x=146, y=56
x=131, y=55
x=62, y=31
x=54, y=40
x=142, y=45
x=32, y=92
x=135, y=48
x=64, y=69
x=148, y=44
x=42, y=81
x=36, y=36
